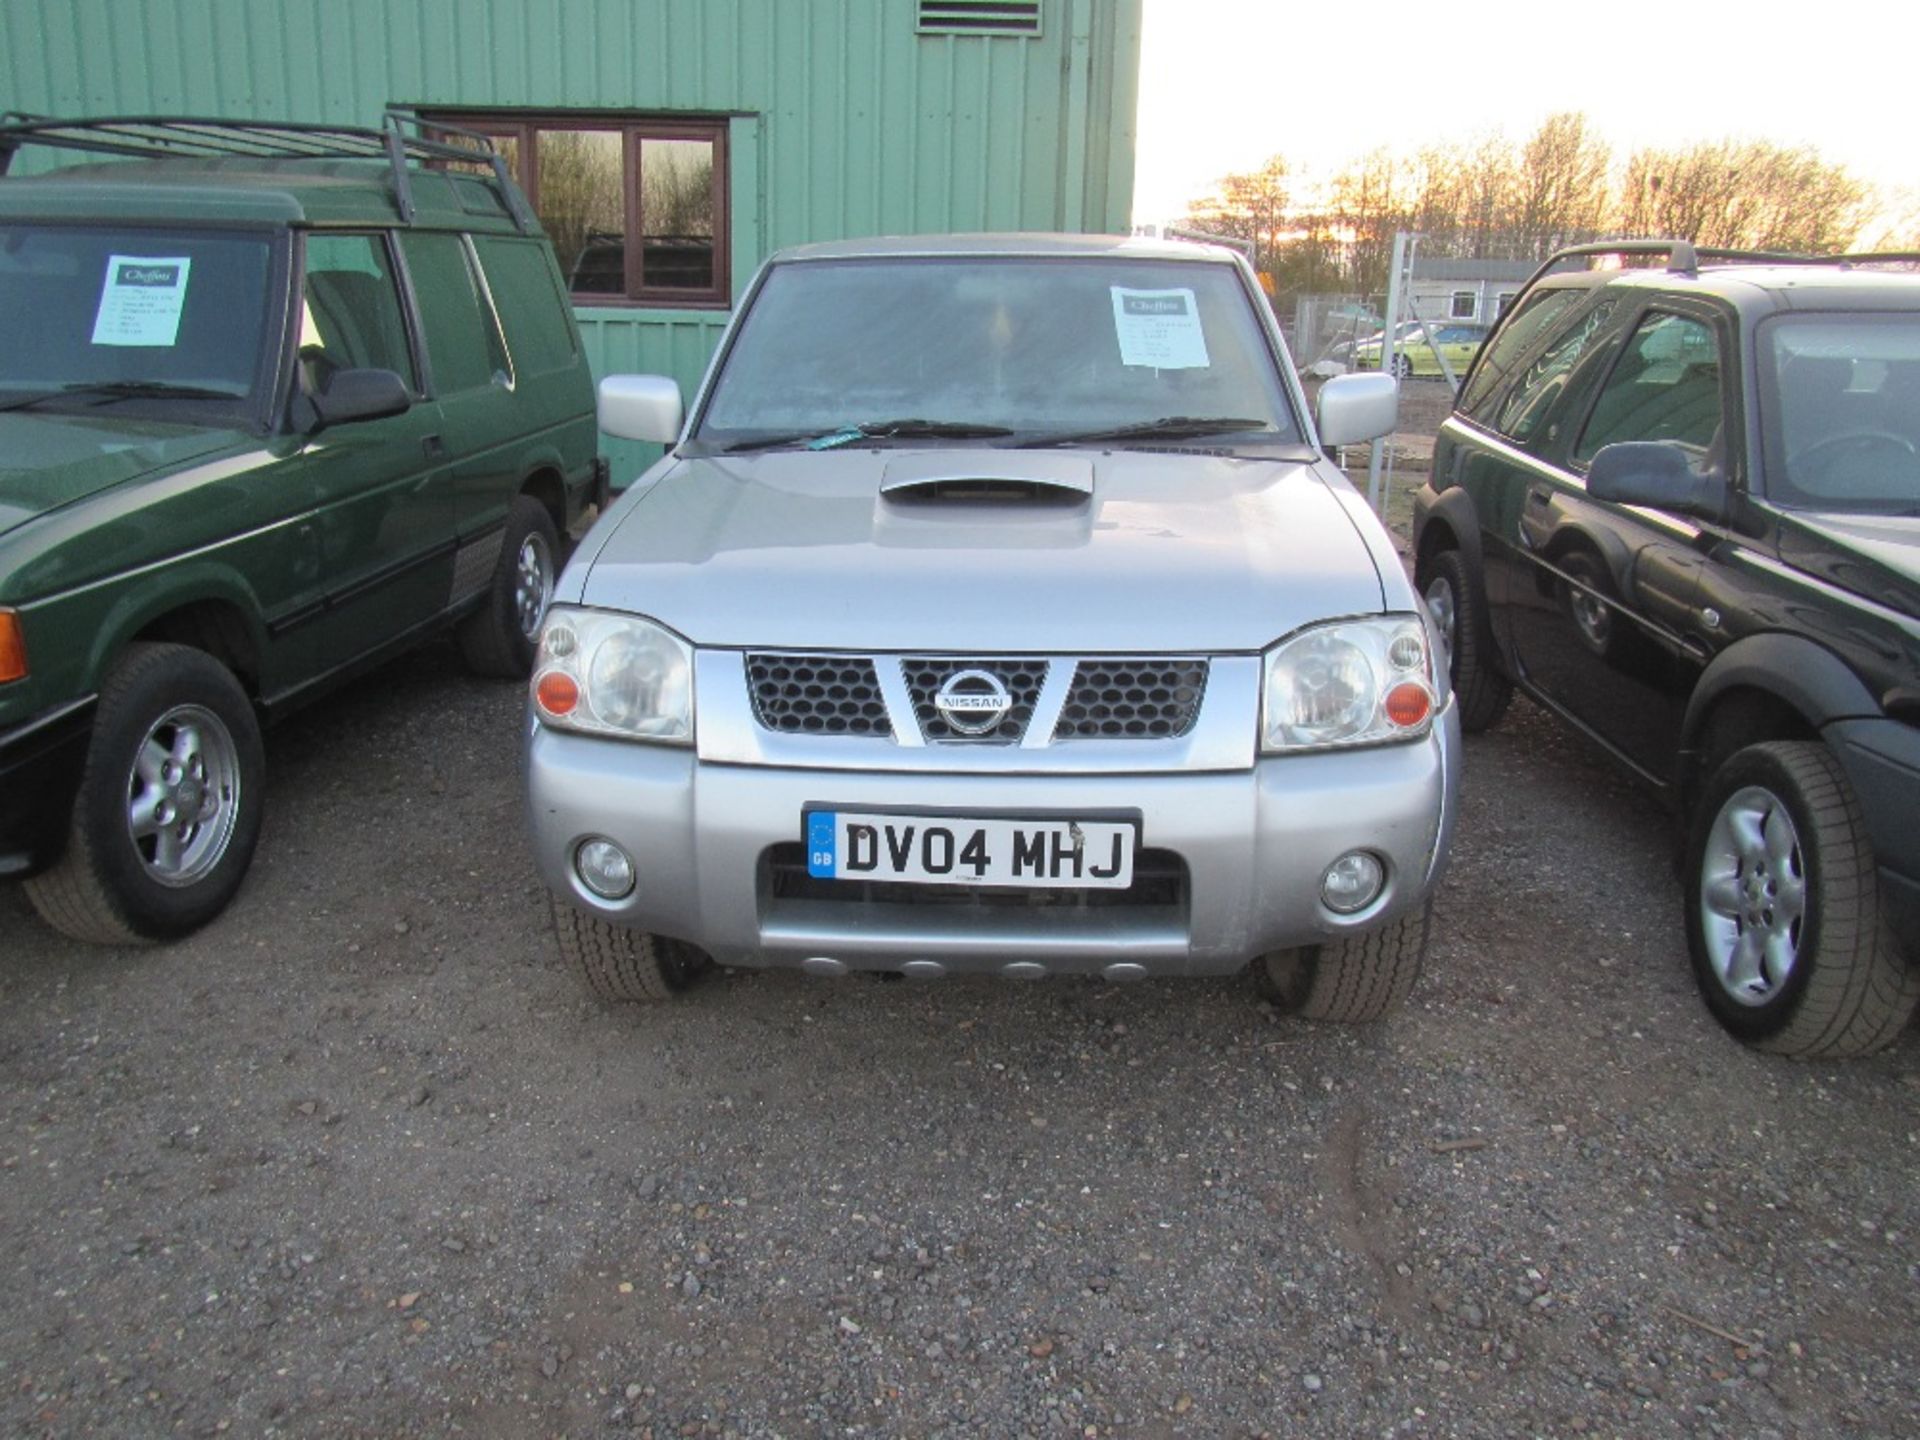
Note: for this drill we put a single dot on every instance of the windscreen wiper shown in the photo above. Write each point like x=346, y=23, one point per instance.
x=111, y=390
x=908, y=429
x=1167, y=427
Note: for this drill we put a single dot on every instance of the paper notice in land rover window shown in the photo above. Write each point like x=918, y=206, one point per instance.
x=141, y=300
x=970, y=850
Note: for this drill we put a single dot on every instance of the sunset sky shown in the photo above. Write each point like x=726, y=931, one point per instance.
x=1226, y=83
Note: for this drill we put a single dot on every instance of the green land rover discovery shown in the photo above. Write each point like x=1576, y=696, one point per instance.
x=276, y=401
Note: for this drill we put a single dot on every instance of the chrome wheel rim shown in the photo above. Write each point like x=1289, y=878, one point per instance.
x=183, y=796
x=532, y=584
x=1753, y=896
x=1446, y=613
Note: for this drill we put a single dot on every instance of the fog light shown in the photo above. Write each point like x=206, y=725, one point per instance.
x=1352, y=882
x=604, y=868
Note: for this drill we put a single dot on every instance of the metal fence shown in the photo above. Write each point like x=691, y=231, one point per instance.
x=1325, y=328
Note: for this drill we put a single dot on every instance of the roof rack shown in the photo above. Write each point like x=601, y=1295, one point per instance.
x=1846, y=261
x=1684, y=257
x=403, y=139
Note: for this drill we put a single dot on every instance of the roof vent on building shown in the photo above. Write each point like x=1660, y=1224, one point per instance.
x=980, y=17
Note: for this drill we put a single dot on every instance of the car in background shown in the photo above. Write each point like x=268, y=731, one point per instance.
x=1678, y=505
x=996, y=611
x=297, y=397
x=1415, y=344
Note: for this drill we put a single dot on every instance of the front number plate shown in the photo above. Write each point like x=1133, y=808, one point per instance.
x=969, y=850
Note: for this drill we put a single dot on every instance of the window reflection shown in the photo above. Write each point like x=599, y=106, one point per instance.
x=599, y=181
x=676, y=213
x=582, y=206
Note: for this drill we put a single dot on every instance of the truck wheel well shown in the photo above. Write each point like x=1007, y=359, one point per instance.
x=1737, y=719
x=547, y=487
x=1436, y=537
x=215, y=627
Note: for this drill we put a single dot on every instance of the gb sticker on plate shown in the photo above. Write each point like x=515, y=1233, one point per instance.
x=821, y=833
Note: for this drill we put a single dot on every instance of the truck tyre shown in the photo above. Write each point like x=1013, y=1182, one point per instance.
x=1360, y=978
x=499, y=638
x=622, y=966
x=169, y=806
x=1783, y=908
x=1446, y=584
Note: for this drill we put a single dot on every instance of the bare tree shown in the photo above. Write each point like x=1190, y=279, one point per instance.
x=1897, y=222
x=1743, y=195
x=1563, y=195
x=1250, y=207
x=1487, y=198
x=1312, y=259
x=1367, y=202
x=1463, y=196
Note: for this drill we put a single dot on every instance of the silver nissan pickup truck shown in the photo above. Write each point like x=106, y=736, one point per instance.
x=997, y=610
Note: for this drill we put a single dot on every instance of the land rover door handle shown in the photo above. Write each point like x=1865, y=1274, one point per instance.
x=435, y=447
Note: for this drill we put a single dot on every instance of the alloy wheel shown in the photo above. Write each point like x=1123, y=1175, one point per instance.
x=532, y=584
x=1753, y=896
x=183, y=795
x=1445, y=609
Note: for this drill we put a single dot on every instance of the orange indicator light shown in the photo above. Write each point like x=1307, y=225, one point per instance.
x=556, y=693
x=1408, y=704
x=13, y=648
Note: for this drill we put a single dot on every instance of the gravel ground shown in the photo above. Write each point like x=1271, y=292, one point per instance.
x=359, y=1160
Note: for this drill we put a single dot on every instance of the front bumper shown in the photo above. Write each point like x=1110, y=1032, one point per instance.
x=1252, y=843
x=40, y=765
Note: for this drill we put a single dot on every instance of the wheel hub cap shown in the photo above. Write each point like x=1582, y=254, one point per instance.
x=1753, y=896
x=1440, y=604
x=532, y=585
x=183, y=795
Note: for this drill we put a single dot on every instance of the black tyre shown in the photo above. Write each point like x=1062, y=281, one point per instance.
x=500, y=637
x=170, y=801
x=1402, y=367
x=1447, y=587
x=620, y=965
x=1364, y=977
x=1783, y=908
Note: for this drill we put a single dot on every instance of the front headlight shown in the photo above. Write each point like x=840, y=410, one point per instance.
x=1354, y=682
x=609, y=674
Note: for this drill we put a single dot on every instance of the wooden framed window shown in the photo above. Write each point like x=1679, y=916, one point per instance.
x=636, y=207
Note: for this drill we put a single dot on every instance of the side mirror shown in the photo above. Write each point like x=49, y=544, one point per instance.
x=1657, y=475
x=352, y=395
x=1353, y=408
x=641, y=407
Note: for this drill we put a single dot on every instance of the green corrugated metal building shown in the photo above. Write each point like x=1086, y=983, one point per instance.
x=669, y=145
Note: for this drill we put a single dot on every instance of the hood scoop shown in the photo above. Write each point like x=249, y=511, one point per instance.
x=987, y=477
